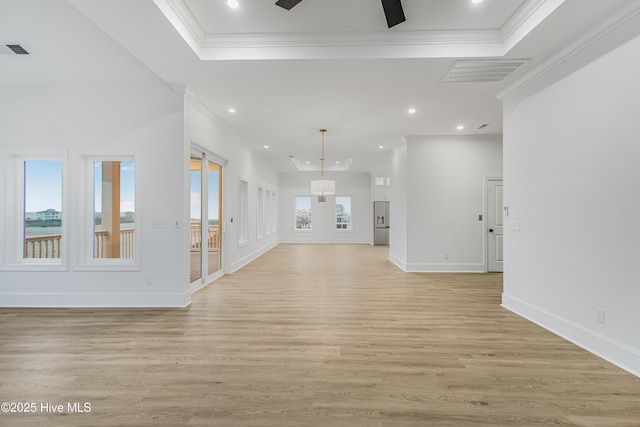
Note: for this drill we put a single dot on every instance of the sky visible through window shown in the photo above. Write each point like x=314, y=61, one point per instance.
x=303, y=202
x=43, y=185
x=196, y=189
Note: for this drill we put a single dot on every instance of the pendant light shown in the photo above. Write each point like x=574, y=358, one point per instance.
x=321, y=187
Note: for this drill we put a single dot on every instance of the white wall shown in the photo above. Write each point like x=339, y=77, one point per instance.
x=444, y=181
x=398, y=194
x=356, y=185
x=571, y=179
x=205, y=130
x=104, y=119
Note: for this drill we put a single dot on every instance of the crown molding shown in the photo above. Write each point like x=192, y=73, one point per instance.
x=180, y=16
x=614, y=21
x=526, y=18
x=380, y=44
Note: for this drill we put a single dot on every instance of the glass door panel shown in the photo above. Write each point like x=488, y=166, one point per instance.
x=195, y=246
x=214, y=204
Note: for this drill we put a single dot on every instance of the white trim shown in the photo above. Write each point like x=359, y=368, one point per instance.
x=13, y=216
x=86, y=261
x=84, y=300
x=198, y=285
x=178, y=13
x=606, y=348
x=242, y=216
x=260, y=219
x=295, y=210
x=398, y=262
x=373, y=44
x=614, y=21
x=525, y=20
x=444, y=268
x=235, y=266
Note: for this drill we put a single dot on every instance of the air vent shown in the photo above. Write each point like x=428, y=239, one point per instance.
x=482, y=70
x=17, y=49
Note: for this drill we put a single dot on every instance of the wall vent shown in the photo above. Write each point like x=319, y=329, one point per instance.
x=481, y=70
x=17, y=49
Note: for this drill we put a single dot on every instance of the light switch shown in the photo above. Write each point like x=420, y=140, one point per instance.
x=515, y=225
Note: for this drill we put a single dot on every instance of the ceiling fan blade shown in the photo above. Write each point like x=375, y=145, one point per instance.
x=287, y=4
x=393, y=12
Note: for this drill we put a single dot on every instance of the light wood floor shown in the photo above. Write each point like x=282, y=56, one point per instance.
x=312, y=336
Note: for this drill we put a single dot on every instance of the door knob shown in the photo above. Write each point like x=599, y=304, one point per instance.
x=491, y=230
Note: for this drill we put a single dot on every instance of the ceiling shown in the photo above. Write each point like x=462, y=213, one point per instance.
x=330, y=64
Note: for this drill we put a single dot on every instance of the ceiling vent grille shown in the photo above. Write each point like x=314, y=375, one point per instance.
x=17, y=49
x=482, y=70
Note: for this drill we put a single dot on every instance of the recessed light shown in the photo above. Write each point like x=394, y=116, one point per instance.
x=231, y=110
x=460, y=127
x=337, y=163
x=476, y=1
x=412, y=111
x=266, y=146
x=308, y=163
x=233, y=4
x=381, y=147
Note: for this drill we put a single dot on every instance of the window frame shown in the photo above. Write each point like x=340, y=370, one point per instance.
x=243, y=212
x=335, y=215
x=295, y=214
x=86, y=260
x=12, y=217
x=260, y=225
x=274, y=213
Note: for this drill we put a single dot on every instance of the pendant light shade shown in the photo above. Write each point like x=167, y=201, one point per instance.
x=322, y=186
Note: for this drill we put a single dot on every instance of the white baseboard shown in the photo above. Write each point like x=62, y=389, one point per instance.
x=195, y=287
x=621, y=355
x=237, y=265
x=444, y=268
x=398, y=262
x=98, y=300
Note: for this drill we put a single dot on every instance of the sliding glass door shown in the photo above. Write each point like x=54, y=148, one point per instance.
x=205, y=249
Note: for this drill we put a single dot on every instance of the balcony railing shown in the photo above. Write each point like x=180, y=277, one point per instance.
x=213, y=237
x=42, y=246
x=126, y=243
x=49, y=246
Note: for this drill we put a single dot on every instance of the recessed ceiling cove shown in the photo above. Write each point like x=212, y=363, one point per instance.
x=313, y=30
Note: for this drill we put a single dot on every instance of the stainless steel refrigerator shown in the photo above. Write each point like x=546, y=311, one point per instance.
x=381, y=223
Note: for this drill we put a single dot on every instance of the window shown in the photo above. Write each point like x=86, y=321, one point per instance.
x=114, y=209
x=243, y=212
x=267, y=213
x=33, y=211
x=343, y=213
x=303, y=213
x=260, y=213
x=42, y=210
x=274, y=213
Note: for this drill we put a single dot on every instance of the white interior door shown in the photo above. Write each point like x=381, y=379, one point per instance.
x=495, y=222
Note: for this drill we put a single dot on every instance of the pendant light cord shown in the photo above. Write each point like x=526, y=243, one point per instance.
x=322, y=158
